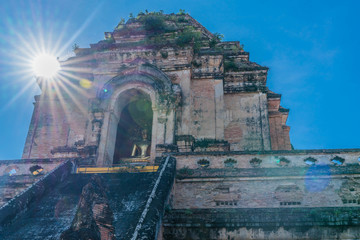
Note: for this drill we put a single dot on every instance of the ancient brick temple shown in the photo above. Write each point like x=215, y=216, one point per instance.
x=163, y=131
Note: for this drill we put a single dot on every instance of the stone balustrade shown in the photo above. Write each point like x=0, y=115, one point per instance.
x=269, y=159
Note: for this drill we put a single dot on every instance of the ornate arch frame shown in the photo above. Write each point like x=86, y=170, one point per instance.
x=164, y=97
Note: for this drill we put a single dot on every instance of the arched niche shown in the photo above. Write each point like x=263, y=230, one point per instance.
x=134, y=130
x=116, y=94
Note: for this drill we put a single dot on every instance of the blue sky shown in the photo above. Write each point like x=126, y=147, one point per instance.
x=311, y=48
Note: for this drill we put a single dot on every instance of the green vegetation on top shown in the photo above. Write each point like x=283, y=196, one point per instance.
x=175, y=28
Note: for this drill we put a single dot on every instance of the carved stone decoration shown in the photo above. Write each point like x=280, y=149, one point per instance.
x=95, y=106
x=255, y=162
x=96, y=131
x=282, y=162
x=349, y=191
x=176, y=89
x=289, y=194
x=138, y=78
x=225, y=196
x=97, y=116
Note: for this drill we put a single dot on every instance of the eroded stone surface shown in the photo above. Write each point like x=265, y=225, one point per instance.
x=219, y=94
x=94, y=217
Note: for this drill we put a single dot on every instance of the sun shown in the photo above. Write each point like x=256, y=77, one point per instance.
x=46, y=66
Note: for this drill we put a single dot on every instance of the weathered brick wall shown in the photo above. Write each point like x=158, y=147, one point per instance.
x=16, y=176
x=223, y=94
x=246, y=122
x=279, y=131
x=203, y=108
x=257, y=192
x=276, y=179
x=57, y=121
x=22, y=167
x=48, y=128
x=263, y=223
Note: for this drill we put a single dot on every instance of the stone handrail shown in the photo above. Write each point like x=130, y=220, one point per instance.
x=22, y=201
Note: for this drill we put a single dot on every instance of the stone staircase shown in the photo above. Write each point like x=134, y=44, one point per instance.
x=127, y=195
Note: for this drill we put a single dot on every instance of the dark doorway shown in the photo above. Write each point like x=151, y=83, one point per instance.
x=135, y=119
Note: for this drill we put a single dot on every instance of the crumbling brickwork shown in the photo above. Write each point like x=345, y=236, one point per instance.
x=221, y=94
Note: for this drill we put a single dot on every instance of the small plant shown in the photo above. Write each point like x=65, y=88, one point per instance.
x=230, y=162
x=216, y=39
x=154, y=23
x=204, y=163
x=234, y=49
x=166, y=100
x=109, y=38
x=75, y=47
x=187, y=36
x=212, y=43
x=182, y=12
x=131, y=16
x=230, y=65
x=140, y=14
x=120, y=24
x=164, y=54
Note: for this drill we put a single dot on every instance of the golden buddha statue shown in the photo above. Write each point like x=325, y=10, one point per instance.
x=141, y=147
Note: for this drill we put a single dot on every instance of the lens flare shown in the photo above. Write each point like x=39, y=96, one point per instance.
x=317, y=178
x=46, y=66
x=38, y=46
x=85, y=83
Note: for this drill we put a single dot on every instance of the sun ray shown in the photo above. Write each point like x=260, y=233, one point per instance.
x=58, y=43
x=62, y=86
x=81, y=29
x=62, y=101
x=54, y=98
x=74, y=86
x=80, y=91
x=18, y=95
x=39, y=37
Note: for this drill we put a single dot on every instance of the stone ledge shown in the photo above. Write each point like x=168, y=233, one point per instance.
x=263, y=217
x=252, y=88
x=272, y=152
x=35, y=160
x=321, y=170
